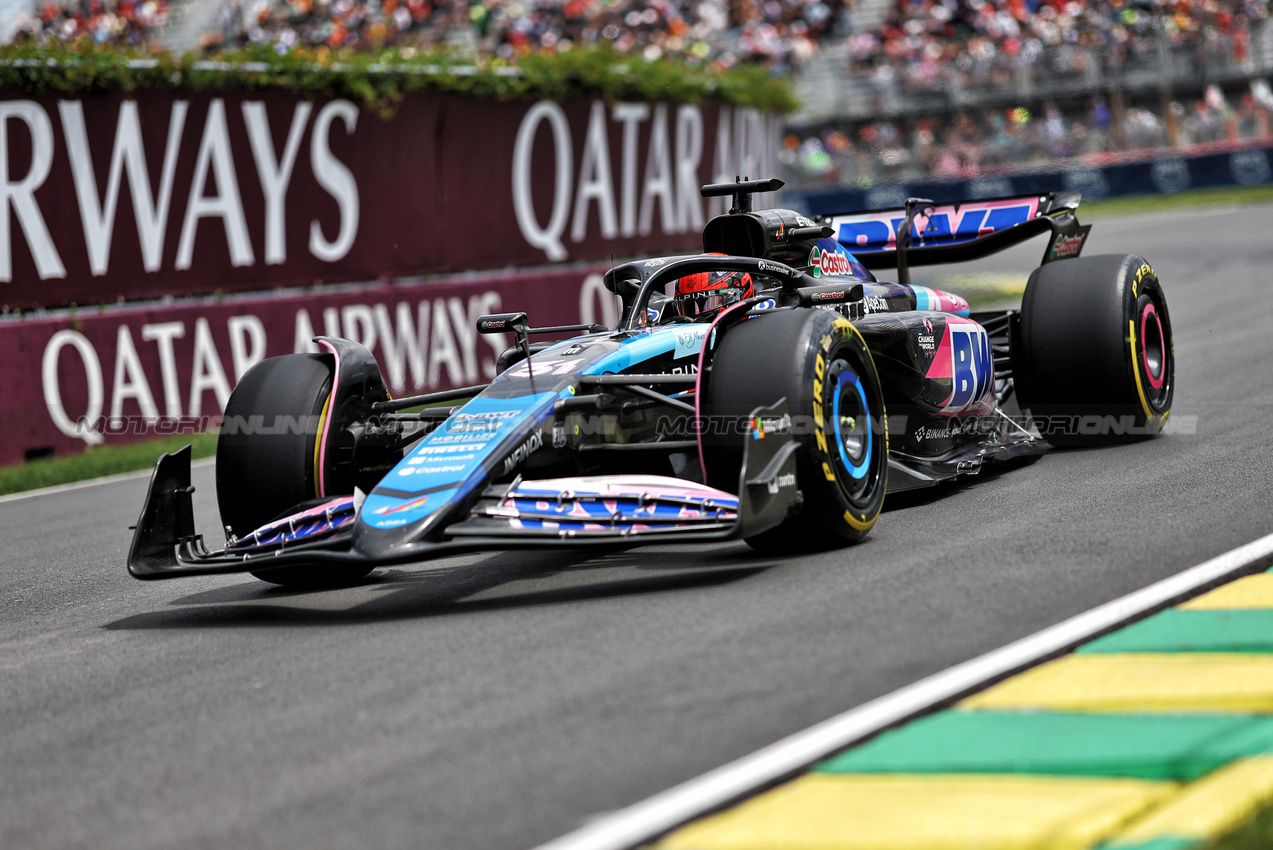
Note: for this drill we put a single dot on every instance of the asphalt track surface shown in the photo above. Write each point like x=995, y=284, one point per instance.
x=497, y=701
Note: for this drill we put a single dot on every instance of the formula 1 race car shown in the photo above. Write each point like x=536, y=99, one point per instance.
x=742, y=395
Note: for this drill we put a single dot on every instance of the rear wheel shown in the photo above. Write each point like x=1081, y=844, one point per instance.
x=268, y=453
x=1093, y=360
x=817, y=361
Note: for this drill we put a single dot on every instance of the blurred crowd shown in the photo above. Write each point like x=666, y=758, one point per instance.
x=923, y=46
x=780, y=33
x=939, y=44
x=976, y=144
x=118, y=22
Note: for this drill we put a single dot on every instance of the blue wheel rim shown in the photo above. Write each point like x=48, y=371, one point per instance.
x=858, y=470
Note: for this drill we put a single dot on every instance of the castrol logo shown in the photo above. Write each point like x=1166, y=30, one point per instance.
x=822, y=261
x=1067, y=246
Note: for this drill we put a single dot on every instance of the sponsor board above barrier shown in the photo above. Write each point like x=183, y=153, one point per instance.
x=1245, y=165
x=115, y=375
x=122, y=197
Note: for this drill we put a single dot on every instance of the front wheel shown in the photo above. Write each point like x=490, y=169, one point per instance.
x=269, y=455
x=818, y=361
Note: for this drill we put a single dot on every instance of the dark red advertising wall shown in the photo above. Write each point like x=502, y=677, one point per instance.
x=218, y=199
x=118, y=375
x=114, y=197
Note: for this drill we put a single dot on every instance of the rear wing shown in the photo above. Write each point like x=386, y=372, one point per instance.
x=958, y=232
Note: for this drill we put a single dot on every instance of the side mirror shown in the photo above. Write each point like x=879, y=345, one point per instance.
x=499, y=323
x=814, y=296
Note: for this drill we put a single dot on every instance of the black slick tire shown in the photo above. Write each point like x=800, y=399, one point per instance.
x=266, y=453
x=817, y=361
x=1093, y=360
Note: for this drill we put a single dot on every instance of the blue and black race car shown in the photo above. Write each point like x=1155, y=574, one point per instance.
x=742, y=395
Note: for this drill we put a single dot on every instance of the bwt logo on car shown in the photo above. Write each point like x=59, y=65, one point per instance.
x=964, y=356
x=944, y=224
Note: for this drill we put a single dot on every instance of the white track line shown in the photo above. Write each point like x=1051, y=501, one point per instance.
x=93, y=482
x=656, y=815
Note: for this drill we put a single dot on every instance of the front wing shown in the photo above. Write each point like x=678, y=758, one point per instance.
x=598, y=510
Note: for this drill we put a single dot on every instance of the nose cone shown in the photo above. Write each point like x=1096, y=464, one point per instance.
x=380, y=544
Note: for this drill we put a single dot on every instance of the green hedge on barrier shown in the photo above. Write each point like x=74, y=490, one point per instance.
x=380, y=79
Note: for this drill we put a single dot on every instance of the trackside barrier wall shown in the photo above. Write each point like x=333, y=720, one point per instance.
x=1203, y=167
x=151, y=194
x=112, y=375
x=116, y=199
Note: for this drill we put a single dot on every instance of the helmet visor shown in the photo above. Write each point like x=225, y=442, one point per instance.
x=696, y=304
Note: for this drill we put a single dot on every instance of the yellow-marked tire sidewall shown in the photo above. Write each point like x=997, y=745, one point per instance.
x=1079, y=362
x=811, y=358
x=1149, y=332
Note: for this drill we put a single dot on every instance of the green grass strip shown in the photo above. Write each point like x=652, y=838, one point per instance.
x=1163, y=844
x=99, y=461
x=1144, y=746
x=1192, y=631
x=1192, y=199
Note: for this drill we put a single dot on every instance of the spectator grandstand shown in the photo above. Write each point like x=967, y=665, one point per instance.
x=779, y=33
x=892, y=89
x=969, y=144
x=966, y=88
x=121, y=22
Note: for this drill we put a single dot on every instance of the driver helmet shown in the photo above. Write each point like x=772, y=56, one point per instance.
x=702, y=295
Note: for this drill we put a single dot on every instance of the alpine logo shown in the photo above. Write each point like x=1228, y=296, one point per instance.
x=405, y=506
x=964, y=357
x=822, y=261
